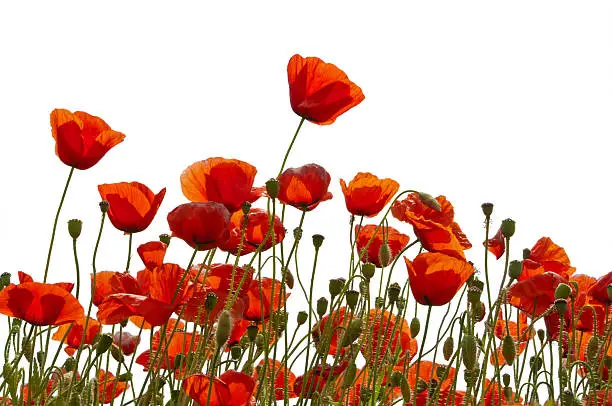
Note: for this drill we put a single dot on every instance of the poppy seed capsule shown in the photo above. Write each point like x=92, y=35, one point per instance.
x=468, y=347
x=429, y=201
x=487, y=209
x=561, y=305
x=515, y=269
x=394, y=291
x=352, y=333
x=74, y=228
x=272, y=188
x=535, y=363
x=322, y=306
x=415, y=327
x=368, y=269
x=5, y=280
x=592, y=348
x=211, y=301
x=104, y=343
x=252, y=332
x=541, y=335
x=302, y=317
x=448, y=348
x=352, y=298
x=165, y=238
x=235, y=352
x=384, y=254
x=508, y=349
x=317, y=240
x=526, y=253
x=506, y=379
x=335, y=286
x=104, y=206
x=508, y=227
x=563, y=291
x=224, y=327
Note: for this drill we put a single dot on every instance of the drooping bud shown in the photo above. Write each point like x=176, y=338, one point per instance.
x=288, y=277
x=415, y=327
x=367, y=270
x=561, y=305
x=487, y=209
x=116, y=353
x=260, y=341
x=508, y=349
x=352, y=298
x=317, y=240
x=104, y=206
x=429, y=201
x=104, y=343
x=563, y=291
x=165, y=238
x=469, y=349
x=448, y=348
x=508, y=227
x=592, y=348
x=349, y=376
x=322, y=306
x=74, y=228
x=272, y=188
x=393, y=292
x=302, y=317
x=479, y=312
x=211, y=301
x=40, y=357
x=515, y=269
x=224, y=328
x=335, y=286
x=384, y=254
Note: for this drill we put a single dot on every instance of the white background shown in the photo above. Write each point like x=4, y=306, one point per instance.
x=507, y=102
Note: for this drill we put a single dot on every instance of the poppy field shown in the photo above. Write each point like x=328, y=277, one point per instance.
x=220, y=329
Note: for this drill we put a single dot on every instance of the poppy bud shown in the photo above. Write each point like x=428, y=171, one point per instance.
x=104, y=343
x=367, y=270
x=165, y=238
x=506, y=379
x=317, y=240
x=415, y=327
x=563, y=291
x=40, y=357
x=448, y=348
x=272, y=188
x=515, y=269
x=302, y=317
x=5, y=280
x=236, y=352
x=609, y=291
x=508, y=349
x=535, y=363
x=400, y=303
x=429, y=201
x=335, y=286
x=561, y=305
x=297, y=234
x=479, y=312
x=405, y=387
x=541, y=335
x=393, y=292
x=116, y=353
x=421, y=386
x=211, y=301
x=349, y=376
x=468, y=346
x=69, y=364
x=379, y=302
x=352, y=297
x=104, y=206
x=592, y=348
x=288, y=277
x=252, y=332
x=246, y=207
x=508, y=227
x=384, y=254
x=74, y=228
x=487, y=209
x=526, y=253
x=224, y=327
x=352, y=332
x=127, y=376
x=474, y=294
x=322, y=306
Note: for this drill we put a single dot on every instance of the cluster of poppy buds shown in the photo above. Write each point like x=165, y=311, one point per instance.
x=411, y=322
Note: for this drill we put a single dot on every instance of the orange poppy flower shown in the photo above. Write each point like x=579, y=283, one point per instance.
x=108, y=283
x=179, y=343
x=599, y=290
x=546, y=256
x=132, y=205
x=395, y=240
x=581, y=299
x=337, y=318
x=436, y=278
x=24, y=277
x=275, y=372
x=304, y=187
x=427, y=369
x=519, y=331
x=126, y=341
x=536, y=294
x=75, y=334
x=366, y=195
x=41, y=304
x=228, y=389
x=225, y=181
x=260, y=299
x=255, y=232
x=319, y=91
x=384, y=337
x=203, y=225
x=315, y=379
x=81, y=140
x=109, y=387
x=152, y=254
x=497, y=244
x=437, y=231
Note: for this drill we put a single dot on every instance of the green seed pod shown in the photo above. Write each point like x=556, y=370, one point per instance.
x=104, y=343
x=393, y=292
x=592, y=348
x=415, y=327
x=352, y=298
x=429, y=201
x=405, y=387
x=260, y=341
x=224, y=328
x=322, y=306
x=236, y=352
x=508, y=349
x=252, y=332
x=421, y=386
x=5, y=280
x=302, y=317
x=535, y=363
x=246, y=207
x=469, y=349
x=165, y=238
x=515, y=269
x=349, y=376
x=384, y=254
x=297, y=234
x=508, y=227
x=69, y=364
x=317, y=241
x=561, y=305
x=116, y=353
x=526, y=253
x=506, y=379
x=367, y=270
x=40, y=357
x=335, y=286
x=448, y=348
x=487, y=209
x=104, y=206
x=272, y=188
x=74, y=228
x=541, y=335
x=352, y=332
x=563, y=291
x=211, y=301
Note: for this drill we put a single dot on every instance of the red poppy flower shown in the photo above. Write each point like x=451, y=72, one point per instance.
x=497, y=244
x=166, y=351
x=599, y=290
x=81, y=140
x=583, y=314
x=396, y=242
x=229, y=389
x=304, y=187
x=337, y=318
x=202, y=225
x=225, y=181
x=427, y=369
x=319, y=91
x=109, y=387
x=521, y=332
x=126, y=341
x=315, y=379
x=546, y=256
x=535, y=295
x=24, y=277
x=152, y=254
x=41, y=304
x=275, y=373
x=132, y=205
x=437, y=231
x=75, y=334
x=436, y=278
x=366, y=195
x=386, y=335
x=260, y=299
x=255, y=232
x=108, y=283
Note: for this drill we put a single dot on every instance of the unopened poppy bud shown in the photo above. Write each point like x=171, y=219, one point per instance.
x=563, y=291
x=74, y=228
x=379, y=302
x=415, y=327
x=236, y=352
x=400, y=303
x=335, y=286
x=515, y=269
x=252, y=332
x=246, y=207
x=429, y=201
x=394, y=291
x=40, y=357
x=609, y=291
x=367, y=270
x=506, y=379
x=487, y=209
x=317, y=240
x=165, y=238
x=535, y=363
x=272, y=188
x=288, y=277
x=405, y=387
x=352, y=298
x=396, y=379
x=541, y=335
x=448, y=348
x=592, y=348
x=471, y=376
x=421, y=386
x=125, y=377
x=479, y=312
x=322, y=306
x=5, y=280
x=561, y=305
x=302, y=317
x=211, y=301
x=349, y=376
x=468, y=347
x=508, y=349
x=116, y=353
x=104, y=206
x=69, y=364
x=104, y=343
x=352, y=332
x=297, y=234
x=508, y=227
x=384, y=254
x=224, y=328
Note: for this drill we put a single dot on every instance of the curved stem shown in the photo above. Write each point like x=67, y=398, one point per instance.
x=291, y=146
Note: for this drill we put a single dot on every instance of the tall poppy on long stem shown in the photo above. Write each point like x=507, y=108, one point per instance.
x=366, y=195
x=304, y=187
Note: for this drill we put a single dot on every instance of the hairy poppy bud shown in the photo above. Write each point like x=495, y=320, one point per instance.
x=5, y=280
x=508, y=349
x=165, y=238
x=104, y=206
x=393, y=292
x=365, y=395
x=592, y=348
x=322, y=306
x=384, y=254
x=260, y=340
x=474, y=294
x=352, y=298
x=563, y=291
x=515, y=269
x=421, y=386
x=415, y=327
x=116, y=353
x=349, y=376
x=479, y=312
x=127, y=376
x=69, y=364
x=104, y=343
x=535, y=363
x=224, y=327
x=352, y=332
x=335, y=286
x=379, y=302
x=609, y=292
x=40, y=357
x=541, y=335
x=508, y=227
x=506, y=379
x=302, y=317
x=468, y=347
x=429, y=201
x=317, y=240
x=405, y=387
x=448, y=348
x=367, y=270
x=74, y=228
x=487, y=209
x=272, y=188
x=211, y=301
x=561, y=305
x=236, y=352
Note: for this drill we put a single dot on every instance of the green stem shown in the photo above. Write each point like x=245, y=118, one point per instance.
x=291, y=146
x=129, y=257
